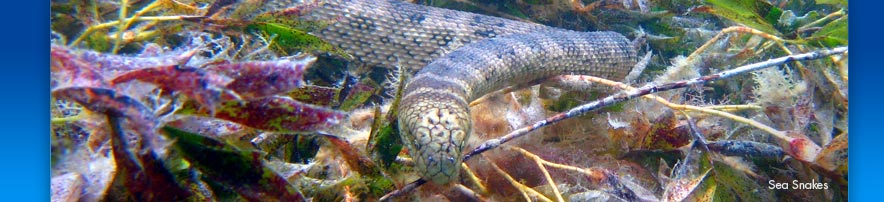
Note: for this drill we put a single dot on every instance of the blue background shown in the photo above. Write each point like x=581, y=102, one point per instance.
x=24, y=77
x=866, y=54
x=25, y=97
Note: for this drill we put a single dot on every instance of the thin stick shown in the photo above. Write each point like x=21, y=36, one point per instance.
x=475, y=179
x=838, y=13
x=779, y=134
x=734, y=107
x=620, y=97
x=521, y=187
x=546, y=174
x=124, y=8
x=407, y=188
x=106, y=25
x=67, y=119
x=417, y=183
x=466, y=191
x=585, y=171
x=729, y=30
x=598, y=175
x=128, y=22
x=551, y=182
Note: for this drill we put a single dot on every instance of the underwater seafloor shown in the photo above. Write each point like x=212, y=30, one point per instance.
x=226, y=100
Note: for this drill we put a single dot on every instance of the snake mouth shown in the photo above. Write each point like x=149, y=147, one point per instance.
x=434, y=129
x=436, y=159
x=440, y=168
x=437, y=152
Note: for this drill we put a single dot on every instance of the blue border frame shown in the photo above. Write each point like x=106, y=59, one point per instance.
x=865, y=116
x=25, y=144
x=26, y=96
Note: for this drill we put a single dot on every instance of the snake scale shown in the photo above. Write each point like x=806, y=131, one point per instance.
x=464, y=56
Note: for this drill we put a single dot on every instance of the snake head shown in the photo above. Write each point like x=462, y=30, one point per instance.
x=434, y=126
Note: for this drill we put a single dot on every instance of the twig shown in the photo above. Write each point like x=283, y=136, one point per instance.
x=842, y=67
x=124, y=8
x=699, y=138
x=467, y=192
x=623, y=96
x=528, y=154
x=106, y=25
x=734, y=107
x=552, y=183
x=67, y=119
x=475, y=179
x=407, y=188
x=417, y=183
x=736, y=29
x=838, y=94
x=139, y=36
x=598, y=175
x=128, y=22
x=823, y=19
x=546, y=174
x=779, y=134
x=521, y=187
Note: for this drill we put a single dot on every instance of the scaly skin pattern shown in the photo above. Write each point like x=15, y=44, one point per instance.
x=434, y=112
x=393, y=33
x=484, y=54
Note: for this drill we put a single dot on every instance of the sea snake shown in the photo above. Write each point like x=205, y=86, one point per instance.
x=464, y=56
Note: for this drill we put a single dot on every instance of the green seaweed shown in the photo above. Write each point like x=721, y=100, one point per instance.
x=790, y=22
x=364, y=187
x=140, y=175
x=317, y=95
x=537, y=2
x=735, y=185
x=666, y=133
x=385, y=140
x=569, y=99
x=241, y=170
x=832, y=2
x=303, y=149
x=375, y=186
x=291, y=36
x=513, y=10
x=280, y=114
x=675, y=43
x=358, y=94
x=98, y=41
x=832, y=34
x=387, y=144
x=758, y=14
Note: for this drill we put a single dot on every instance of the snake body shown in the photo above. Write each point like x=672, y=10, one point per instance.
x=394, y=33
x=484, y=54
